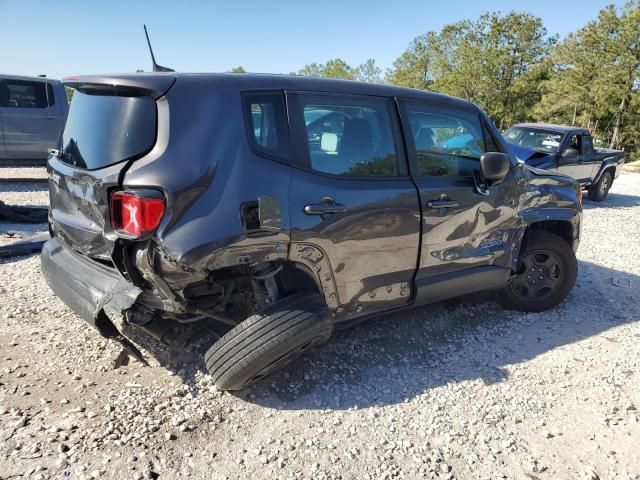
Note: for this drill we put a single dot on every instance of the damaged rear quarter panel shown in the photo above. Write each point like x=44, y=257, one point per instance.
x=207, y=175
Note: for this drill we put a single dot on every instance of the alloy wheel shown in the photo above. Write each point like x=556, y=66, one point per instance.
x=539, y=274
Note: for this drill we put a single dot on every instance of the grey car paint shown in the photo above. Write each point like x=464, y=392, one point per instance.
x=387, y=249
x=29, y=131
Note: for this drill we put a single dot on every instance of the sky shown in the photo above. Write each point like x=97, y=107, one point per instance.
x=84, y=37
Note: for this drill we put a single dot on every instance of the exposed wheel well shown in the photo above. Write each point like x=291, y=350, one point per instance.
x=562, y=228
x=296, y=277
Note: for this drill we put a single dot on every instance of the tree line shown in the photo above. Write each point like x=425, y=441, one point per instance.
x=516, y=71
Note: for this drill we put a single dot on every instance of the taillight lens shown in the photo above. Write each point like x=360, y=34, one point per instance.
x=135, y=214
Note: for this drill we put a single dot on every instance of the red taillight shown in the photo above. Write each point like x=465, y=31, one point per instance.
x=136, y=215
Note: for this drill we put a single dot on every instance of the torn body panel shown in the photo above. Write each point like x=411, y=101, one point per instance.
x=88, y=287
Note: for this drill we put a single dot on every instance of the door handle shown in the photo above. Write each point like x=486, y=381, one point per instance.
x=328, y=205
x=442, y=204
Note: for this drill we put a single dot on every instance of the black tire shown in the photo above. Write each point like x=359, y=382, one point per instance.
x=599, y=190
x=547, y=271
x=267, y=341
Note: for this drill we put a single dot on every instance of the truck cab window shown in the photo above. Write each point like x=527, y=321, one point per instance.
x=575, y=142
x=24, y=94
x=587, y=145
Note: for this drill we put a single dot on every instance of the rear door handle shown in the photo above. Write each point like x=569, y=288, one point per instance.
x=324, y=208
x=442, y=204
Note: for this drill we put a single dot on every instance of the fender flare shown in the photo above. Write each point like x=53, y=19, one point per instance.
x=550, y=216
x=606, y=165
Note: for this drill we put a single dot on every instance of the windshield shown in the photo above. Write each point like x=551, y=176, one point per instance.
x=540, y=140
x=105, y=129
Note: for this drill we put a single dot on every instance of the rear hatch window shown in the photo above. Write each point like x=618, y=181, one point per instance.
x=104, y=128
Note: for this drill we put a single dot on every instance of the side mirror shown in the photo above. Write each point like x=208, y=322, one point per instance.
x=570, y=153
x=494, y=166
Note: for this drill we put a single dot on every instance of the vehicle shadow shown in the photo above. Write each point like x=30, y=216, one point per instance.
x=394, y=358
x=613, y=200
x=23, y=188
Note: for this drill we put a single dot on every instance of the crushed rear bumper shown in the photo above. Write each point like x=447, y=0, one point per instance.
x=91, y=290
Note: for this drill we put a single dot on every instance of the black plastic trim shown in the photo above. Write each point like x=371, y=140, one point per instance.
x=448, y=285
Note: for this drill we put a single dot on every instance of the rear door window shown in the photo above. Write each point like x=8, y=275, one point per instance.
x=104, y=129
x=447, y=141
x=349, y=136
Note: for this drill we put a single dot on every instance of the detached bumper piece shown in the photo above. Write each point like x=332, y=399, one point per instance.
x=90, y=289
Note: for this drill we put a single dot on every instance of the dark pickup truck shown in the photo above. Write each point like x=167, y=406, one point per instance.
x=269, y=208
x=567, y=150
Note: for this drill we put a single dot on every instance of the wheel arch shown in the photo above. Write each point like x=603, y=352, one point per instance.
x=298, y=276
x=611, y=168
x=561, y=228
x=312, y=260
x=564, y=228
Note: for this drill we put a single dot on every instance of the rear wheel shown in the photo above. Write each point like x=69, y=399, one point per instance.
x=599, y=191
x=267, y=341
x=547, y=271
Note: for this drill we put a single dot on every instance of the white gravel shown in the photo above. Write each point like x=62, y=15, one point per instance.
x=24, y=193
x=23, y=172
x=460, y=389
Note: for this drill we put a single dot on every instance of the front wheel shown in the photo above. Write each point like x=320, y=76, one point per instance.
x=599, y=191
x=547, y=271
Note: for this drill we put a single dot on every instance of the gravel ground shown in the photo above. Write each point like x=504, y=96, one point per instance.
x=24, y=193
x=460, y=389
x=23, y=172
x=27, y=194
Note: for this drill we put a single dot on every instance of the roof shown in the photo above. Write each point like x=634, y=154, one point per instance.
x=156, y=81
x=553, y=127
x=6, y=76
x=260, y=80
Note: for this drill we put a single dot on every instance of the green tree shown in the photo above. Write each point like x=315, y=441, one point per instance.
x=496, y=61
x=369, y=72
x=311, y=70
x=238, y=69
x=338, y=68
x=596, y=78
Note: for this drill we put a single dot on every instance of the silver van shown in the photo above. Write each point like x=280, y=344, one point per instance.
x=32, y=114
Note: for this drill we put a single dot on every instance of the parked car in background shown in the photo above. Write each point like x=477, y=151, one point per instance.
x=271, y=207
x=32, y=114
x=567, y=150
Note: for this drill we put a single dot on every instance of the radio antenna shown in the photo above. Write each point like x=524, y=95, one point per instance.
x=156, y=67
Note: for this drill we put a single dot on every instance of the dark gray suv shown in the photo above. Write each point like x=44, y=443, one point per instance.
x=269, y=208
